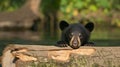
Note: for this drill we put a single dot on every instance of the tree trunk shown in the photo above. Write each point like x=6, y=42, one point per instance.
x=21, y=18
x=50, y=11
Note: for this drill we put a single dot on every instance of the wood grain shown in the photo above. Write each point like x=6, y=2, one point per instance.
x=101, y=56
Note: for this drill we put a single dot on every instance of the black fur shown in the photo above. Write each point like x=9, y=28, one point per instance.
x=77, y=30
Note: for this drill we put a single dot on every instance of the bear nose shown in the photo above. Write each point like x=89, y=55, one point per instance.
x=75, y=42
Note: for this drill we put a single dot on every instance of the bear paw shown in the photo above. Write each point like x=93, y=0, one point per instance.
x=61, y=44
x=90, y=44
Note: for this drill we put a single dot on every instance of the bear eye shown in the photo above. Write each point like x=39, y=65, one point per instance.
x=80, y=35
x=71, y=35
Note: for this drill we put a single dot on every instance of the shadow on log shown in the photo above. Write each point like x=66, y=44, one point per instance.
x=17, y=55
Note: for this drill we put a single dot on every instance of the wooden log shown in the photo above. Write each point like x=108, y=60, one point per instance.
x=15, y=55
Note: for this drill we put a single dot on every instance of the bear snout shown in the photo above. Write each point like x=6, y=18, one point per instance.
x=75, y=42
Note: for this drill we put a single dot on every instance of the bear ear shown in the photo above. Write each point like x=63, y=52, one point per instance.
x=63, y=24
x=90, y=26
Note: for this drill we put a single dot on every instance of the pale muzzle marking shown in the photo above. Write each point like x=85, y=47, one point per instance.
x=78, y=41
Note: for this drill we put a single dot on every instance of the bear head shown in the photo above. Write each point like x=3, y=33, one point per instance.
x=76, y=35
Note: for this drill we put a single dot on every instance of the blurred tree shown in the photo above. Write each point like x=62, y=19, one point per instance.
x=71, y=10
x=23, y=17
x=50, y=10
x=115, y=4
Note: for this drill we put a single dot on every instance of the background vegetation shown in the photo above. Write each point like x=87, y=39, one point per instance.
x=104, y=13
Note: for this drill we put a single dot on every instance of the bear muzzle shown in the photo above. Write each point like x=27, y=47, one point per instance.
x=75, y=42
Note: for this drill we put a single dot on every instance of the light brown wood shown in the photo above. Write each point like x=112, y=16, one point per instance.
x=7, y=59
x=39, y=53
x=35, y=52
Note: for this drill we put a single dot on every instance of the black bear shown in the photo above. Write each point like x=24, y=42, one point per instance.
x=75, y=35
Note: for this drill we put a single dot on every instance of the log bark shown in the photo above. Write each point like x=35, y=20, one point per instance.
x=16, y=55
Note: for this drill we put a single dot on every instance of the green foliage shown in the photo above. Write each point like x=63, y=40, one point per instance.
x=10, y=5
x=70, y=9
x=103, y=3
x=49, y=5
x=116, y=22
x=75, y=7
x=115, y=4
